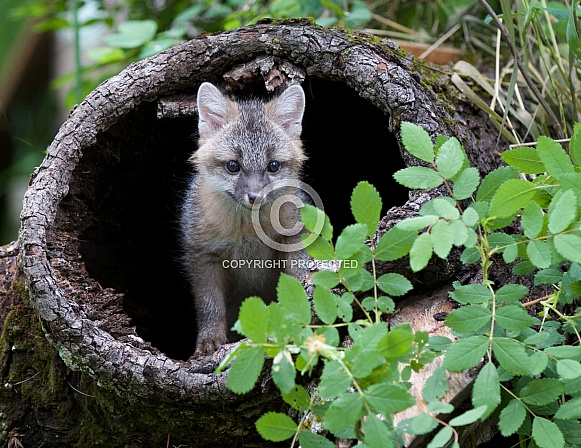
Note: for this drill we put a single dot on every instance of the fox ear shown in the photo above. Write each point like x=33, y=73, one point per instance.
x=287, y=110
x=213, y=108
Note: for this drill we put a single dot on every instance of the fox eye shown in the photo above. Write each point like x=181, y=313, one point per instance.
x=232, y=166
x=274, y=166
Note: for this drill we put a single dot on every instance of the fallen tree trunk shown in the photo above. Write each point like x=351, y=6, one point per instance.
x=97, y=321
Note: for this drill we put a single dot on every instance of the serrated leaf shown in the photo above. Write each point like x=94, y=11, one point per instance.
x=253, y=319
x=420, y=424
x=542, y=391
x=511, y=293
x=554, y=157
x=283, y=371
x=395, y=244
x=421, y=252
x=293, y=299
x=468, y=417
x=466, y=183
x=450, y=158
x=385, y=398
x=532, y=220
x=510, y=197
x=318, y=247
x=366, y=206
x=467, y=294
x=334, y=380
x=568, y=245
x=512, y=356
x=276, y=426
x=493, y=180
x=416, y=223
x=396, y=343
x=441, y=438
x=375, y=432
x=316, y=221
x=525, y=158
x=326, y=279
x=325, y=305
x=513, y=318
x=418, y=177
x=470, y=216
x=466, y=353
x=350, y=241
x=512, y=418
x=568, y=369
x=565, y=351
x=245, y=369
x=344, y=411
x=460, y=233
x=394, y=284
x=442, y=238
x=445, y=208
x=308, y=439
x=562, y=211
x=548, y=277
x=468, y=318
x=436, y=385
x=486, y=389
x=298, y=398
x=570, y=410
x=547, y=434
x=575, y=144
x=539, y=253
x=417, y=141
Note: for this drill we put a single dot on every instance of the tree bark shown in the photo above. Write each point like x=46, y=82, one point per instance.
x=97, y=323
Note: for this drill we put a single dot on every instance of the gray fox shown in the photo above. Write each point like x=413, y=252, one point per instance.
x=244, y=149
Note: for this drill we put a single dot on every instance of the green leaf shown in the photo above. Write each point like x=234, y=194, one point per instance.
x=466, y=183
x=254, y=319
x=326, y=279
x=293, y=299
x=394, y=284
x=394, y=244
x=466, y=353
x=421, y=252
x=334, y=380
x=512, y=417
x=420, y=424
x=554, y=157
x=385, y=398
x=366, y=206
x=418, y=177
x=513, y=318
x=570, y=410
x=444, y=208
x=547, y=434
x=468, y=417
x=562, y=211
x=486, y=389
x=375, y=432
x=575, y=143
x=476, y=293
x=316, y=221
x=318, y=247
x=442, y=238
x=344, y=411
x=396, y=343
x=298, y=398
x=568, y=245
x=542, y=391
x=470, y=216
x=276, y=426
x=511, y=293
x=350, y=241
x=417, y=141
x=511, y=196
x=441, y=438
x=525, y=158
x=245, y=369
x=539, y=253
x=512, y=356
x=493, y=180
x=468, y=318
x=568, y=369
x=565, y=351
x=325, y=304
x=548, y=277
x=450, y=158
x=436, y=385
x=417, y=223
x=283, y=371
x=308, y=439
x=532, y=220
x=132, y=34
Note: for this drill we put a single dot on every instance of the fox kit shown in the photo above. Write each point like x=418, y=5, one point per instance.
x=245, y=147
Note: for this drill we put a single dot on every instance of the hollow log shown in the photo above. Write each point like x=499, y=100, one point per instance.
x=98, y=327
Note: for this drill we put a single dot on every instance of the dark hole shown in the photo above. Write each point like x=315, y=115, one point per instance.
x=131, y=243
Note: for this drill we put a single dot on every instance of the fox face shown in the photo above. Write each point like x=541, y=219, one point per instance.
x=246, y=146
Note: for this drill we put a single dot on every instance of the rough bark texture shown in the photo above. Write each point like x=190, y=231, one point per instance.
x=97, y=321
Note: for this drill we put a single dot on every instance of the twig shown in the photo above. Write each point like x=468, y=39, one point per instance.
x=557, y=126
